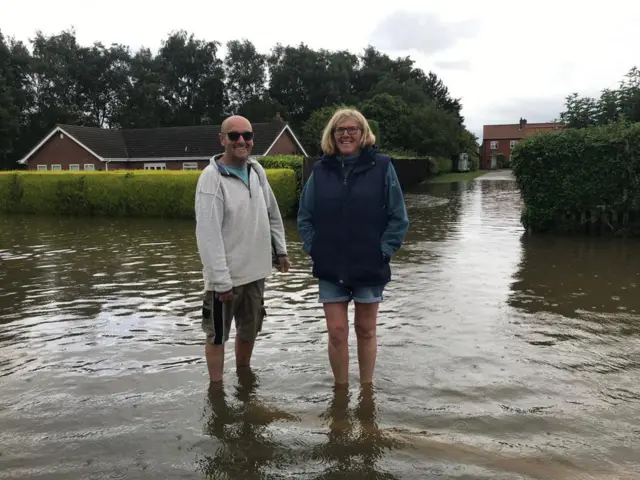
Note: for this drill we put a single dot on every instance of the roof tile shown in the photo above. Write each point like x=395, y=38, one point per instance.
x=181, y=142
x=513, y=131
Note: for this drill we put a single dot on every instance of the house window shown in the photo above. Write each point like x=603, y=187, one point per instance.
x=494, y=145
x=155, y=166
x=190, y=165
x=89, y=167
x=513, y=143
x=42, y=167
x=56, y=167
x=74, y=167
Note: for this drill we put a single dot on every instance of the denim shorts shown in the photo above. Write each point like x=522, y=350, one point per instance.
x=332, y=293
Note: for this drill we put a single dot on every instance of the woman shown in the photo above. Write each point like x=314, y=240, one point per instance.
x=352, y=219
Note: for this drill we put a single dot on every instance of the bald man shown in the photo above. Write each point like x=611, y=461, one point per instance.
x=239, y=227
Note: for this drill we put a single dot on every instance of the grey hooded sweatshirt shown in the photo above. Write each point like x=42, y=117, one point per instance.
x=235, y=224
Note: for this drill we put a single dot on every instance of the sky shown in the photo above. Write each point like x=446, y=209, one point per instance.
x=503, y=59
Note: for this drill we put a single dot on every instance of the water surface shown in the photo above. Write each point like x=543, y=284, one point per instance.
x=501, y=356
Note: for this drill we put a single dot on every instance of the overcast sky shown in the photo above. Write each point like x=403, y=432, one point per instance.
x=505, y=59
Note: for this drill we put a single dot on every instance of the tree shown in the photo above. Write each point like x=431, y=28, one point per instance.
x=393, y=115
x=612, y=106
x=434, y=132
x=103, y=78
x=9, y=112
x=192, y=80
x=144, y=105
x=185, y=82
x=246, y=74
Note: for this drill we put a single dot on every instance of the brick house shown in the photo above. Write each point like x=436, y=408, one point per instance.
x=501, y=139
x=72, y=147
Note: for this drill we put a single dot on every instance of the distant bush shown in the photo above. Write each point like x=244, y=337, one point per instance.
x=439, y=166
x=576, y=179
x=474, y=163
x=399, y=153
x=122, y=193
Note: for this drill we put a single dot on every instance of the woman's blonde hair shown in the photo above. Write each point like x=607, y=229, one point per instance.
x=328, y=142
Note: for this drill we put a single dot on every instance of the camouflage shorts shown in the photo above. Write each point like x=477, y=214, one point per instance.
x=246, y=308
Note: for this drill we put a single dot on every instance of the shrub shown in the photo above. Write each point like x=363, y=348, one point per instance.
x=439, y=165
x=561, y=175
x=433, y=167
x=399, y=153
x=293, y=162
x=445, y=165
x=136, y=193
x=474, y=163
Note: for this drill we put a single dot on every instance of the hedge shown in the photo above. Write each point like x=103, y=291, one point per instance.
x=293, y=162
x=581, y=180
x=129, y=193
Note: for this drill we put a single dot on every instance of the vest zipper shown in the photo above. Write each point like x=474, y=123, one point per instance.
x=345, y=176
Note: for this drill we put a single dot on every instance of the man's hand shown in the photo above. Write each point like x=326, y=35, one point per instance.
x=225, y=296
x=283, y=263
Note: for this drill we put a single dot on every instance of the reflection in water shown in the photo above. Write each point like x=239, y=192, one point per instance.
x=575, y=276
x=246, y=447
x=355, y=444
x=490, y=342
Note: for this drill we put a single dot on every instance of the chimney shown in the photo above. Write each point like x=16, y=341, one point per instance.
x=278, y=118
x=523, y=123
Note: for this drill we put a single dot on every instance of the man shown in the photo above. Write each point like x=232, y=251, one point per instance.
x=238, y=225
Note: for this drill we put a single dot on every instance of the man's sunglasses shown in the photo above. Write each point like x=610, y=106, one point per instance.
x=234, y=136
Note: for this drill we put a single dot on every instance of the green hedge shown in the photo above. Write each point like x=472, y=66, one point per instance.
x=120, y=193
x=292, y=162
x=574, y=179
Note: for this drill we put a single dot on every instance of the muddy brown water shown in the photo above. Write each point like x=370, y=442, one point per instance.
x=500, y=356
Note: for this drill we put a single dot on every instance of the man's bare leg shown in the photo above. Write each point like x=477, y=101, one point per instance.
x=215, y=361
x=244, y=350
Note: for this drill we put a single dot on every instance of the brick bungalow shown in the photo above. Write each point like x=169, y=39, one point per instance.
x=72, y=147
x=501, y=139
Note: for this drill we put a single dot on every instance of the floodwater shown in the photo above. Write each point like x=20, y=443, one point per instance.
x=501, y=356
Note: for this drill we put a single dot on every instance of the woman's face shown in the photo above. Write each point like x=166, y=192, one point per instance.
x=348, y=135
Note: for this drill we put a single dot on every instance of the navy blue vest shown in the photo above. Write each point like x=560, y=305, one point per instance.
x=349, y=219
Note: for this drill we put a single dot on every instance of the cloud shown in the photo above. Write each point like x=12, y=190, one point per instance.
x=534, y=109
x=453, y=64
x=422, y=32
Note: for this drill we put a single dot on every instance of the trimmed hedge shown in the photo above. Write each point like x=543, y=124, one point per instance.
x=292, y=162
x=580, y=180
x=124, y=193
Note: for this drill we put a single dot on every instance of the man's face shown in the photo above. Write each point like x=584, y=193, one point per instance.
x=237, y=139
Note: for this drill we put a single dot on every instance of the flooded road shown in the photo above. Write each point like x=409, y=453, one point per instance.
x=500, y=356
